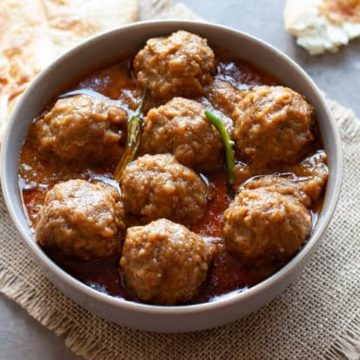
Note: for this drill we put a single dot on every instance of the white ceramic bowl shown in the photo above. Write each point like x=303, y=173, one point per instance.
x=104, y=50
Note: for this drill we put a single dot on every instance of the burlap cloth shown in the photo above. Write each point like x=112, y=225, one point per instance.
x=317, y=317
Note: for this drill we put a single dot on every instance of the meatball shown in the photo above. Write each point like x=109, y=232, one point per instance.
x=288, y=184
x=181, y=128
x=82, y=220
x=223, y=96
x=306, y=181
x=178, y=65
x=242, y=172
x=164, y=262
x=82, y=129
x=314, y=173
x=272, y=125
x=157, y=186
x=263, y=226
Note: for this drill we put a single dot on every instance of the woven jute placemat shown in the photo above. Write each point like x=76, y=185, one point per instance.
x=317, y=317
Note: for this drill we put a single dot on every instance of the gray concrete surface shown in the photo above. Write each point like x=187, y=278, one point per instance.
x=339, y=75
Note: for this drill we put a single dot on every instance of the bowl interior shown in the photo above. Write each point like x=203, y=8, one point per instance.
x=110, y=47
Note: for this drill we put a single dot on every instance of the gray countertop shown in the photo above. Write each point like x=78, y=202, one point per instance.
x=338, y=75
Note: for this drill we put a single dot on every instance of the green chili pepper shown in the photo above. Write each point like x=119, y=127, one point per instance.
x=229, y=152
x=133, y=139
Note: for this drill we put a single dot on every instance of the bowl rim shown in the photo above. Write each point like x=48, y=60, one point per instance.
x=229, y=298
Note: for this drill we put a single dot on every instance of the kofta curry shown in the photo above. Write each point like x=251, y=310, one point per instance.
x=203, y=208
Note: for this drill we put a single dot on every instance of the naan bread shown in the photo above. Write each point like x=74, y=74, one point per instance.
x=34, y=33
x=72, y=21
x=26, y=48
x=323, y=25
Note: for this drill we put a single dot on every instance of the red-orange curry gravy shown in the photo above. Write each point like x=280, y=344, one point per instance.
x=36, y=176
